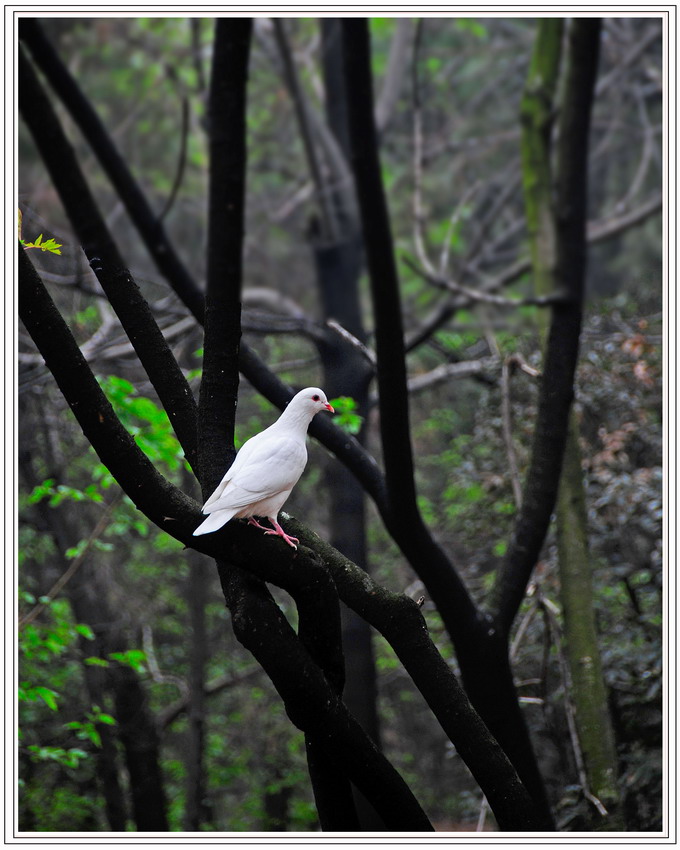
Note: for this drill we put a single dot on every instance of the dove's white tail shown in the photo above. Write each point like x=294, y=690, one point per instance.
x=214, y=521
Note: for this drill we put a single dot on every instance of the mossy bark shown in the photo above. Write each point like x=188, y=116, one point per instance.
x=589, y=693
x=581, y=642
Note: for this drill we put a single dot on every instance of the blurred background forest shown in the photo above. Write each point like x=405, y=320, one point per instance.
x=105, y=596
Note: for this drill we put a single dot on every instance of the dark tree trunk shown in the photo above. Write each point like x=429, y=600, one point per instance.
x=197, y=811
x=347, y=373
x=139, y=736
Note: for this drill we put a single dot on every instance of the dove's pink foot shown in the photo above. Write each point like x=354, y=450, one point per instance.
x=277, y=531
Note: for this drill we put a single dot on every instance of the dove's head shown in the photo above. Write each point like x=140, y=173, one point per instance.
x=311, y=400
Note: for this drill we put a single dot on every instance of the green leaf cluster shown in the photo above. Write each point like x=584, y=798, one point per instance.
x=145, y=420
x=346, y=416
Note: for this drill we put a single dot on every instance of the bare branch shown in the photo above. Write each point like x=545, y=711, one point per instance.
x=598, y=231
x=397, y=62
x=330, y=225
x=181, y=161
x=641, y=44
x=476, y=295
x=506, y=412
x=352, y=340
x=418, y=215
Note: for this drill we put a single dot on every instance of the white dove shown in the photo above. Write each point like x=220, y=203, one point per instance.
x=266, y=469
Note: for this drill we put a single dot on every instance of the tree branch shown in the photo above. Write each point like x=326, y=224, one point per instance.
x=330, y=225
x=226, y=200
x=136, y=204
x=403, y=517
x=556, y=393
x=121, y=290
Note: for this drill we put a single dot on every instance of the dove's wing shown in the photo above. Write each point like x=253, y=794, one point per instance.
x=250, y=447
x=272, y=466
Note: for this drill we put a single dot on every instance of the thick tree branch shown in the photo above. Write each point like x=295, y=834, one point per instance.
x=121, y=290
x=317, y=601
x=399, y=620
x=313, y=706
x=403, y=518
x=226, y=201
x=391, y=370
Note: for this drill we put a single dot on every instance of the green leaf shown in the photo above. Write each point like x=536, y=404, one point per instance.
x=107, y=719
x=94, y=661
x=84, y=630
x=48, y=696
x=345, y=417
x=133, y=658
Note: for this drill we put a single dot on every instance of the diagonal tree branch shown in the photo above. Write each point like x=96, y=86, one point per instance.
x=100, y=249
x=136, y=204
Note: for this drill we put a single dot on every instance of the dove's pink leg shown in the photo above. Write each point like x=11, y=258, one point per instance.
x=278, y=531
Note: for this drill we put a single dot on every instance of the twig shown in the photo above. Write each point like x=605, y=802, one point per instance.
x=453, y=221
x=60, y=583
x=298, y=197
x=484, y=297
x=154, y=669
x=509, y=364
x=638, y=48
x=418, y=216
x=506, y=415
x=229, y=680
x=181, y=162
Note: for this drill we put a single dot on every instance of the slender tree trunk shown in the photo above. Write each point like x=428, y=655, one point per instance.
x=589, y=694
x=593, y=721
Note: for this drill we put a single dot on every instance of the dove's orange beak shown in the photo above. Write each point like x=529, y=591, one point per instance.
x=329, y=408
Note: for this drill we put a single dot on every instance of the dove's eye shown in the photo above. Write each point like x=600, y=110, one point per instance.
x=315, y=398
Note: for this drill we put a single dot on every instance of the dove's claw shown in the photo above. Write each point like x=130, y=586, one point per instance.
x=277, y=531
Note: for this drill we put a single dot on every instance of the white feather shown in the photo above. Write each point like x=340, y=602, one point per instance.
x=266, y=468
